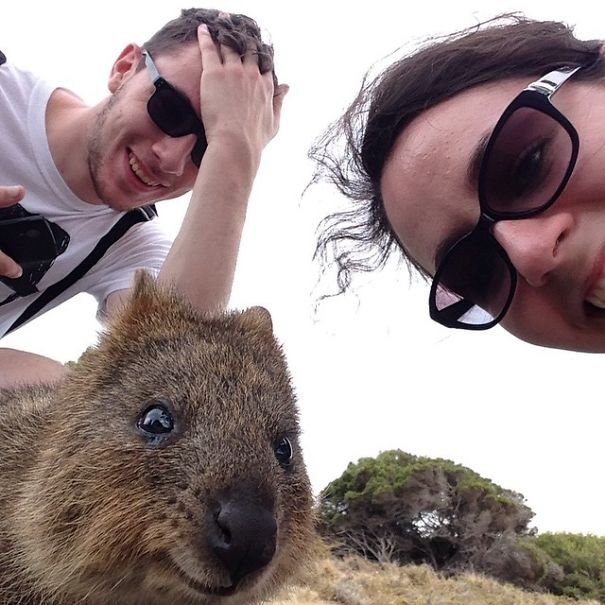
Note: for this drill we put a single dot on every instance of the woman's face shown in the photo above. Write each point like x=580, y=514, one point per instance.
x=430, y=198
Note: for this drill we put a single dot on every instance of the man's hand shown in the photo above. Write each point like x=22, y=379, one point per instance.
x=239, y=106
x=9, y=196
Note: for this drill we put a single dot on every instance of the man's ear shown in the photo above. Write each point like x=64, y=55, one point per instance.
x=125, y=67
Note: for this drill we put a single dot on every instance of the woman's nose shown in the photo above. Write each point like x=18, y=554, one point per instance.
x=174, y=153
x=536, y=246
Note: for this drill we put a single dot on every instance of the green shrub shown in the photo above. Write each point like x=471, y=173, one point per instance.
x=582, y=560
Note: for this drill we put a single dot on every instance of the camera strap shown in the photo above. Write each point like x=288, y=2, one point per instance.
x=10, y=298
x=138, y=215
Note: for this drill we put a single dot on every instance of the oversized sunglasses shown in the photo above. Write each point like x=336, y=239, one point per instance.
x=527, y=162
x=173, y=113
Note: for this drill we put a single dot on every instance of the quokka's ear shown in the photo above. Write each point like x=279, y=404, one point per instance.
x=145, y=289
x=132, y=320
x=257, y=318
x=145, y=298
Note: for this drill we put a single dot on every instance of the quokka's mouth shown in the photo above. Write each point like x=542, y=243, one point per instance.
x=220, y=591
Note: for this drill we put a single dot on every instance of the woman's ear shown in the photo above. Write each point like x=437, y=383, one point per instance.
x=125, y=66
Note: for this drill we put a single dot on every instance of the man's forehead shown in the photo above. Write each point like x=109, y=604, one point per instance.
x=187, y=54
x=182, y=68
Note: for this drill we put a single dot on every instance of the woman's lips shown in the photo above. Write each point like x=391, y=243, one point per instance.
x=595, y=293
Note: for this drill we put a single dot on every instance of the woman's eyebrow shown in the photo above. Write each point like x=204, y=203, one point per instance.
x=474, y=166
x=472, y=181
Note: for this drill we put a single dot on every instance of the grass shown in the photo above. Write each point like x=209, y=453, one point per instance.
x=355, y=581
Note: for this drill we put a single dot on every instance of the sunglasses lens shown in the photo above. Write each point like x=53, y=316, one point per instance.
x=172, y=113
x=473, y=285
x=199, y=149
x=527, y=162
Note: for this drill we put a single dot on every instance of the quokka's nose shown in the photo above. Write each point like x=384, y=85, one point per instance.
x=243, y=537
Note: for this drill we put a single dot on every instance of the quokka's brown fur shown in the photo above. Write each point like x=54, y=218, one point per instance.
x=165, y=468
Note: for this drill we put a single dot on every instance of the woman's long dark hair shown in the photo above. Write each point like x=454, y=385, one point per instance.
x=352, y=152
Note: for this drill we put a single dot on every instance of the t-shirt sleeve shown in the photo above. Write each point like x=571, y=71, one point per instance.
x=144, y=246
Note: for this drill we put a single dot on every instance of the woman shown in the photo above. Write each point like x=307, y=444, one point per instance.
x=480, y=156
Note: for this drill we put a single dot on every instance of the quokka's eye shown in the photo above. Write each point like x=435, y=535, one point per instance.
x=284, y=452
x=156, y=420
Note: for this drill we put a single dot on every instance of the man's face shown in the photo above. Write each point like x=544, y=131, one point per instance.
x=132, y=162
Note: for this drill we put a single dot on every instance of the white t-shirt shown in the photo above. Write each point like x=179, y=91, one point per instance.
x=25, y=159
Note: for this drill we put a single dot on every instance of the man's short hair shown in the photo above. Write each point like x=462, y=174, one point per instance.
x=239, y=32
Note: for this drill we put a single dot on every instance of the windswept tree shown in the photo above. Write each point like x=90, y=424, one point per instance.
x=423, y=510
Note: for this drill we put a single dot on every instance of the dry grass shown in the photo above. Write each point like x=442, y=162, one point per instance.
x=355, y=581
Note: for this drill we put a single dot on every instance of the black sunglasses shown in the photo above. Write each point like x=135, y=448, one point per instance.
x=527, y=163
x=173, y=113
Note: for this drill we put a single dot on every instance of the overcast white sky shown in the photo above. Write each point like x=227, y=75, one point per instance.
x=372, y=372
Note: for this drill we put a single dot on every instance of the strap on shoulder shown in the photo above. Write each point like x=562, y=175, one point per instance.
x=138, y=215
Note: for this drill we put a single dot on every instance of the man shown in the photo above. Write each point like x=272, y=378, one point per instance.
x=190, y=110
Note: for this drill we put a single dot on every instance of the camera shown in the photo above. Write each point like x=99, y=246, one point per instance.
x=33, y=242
